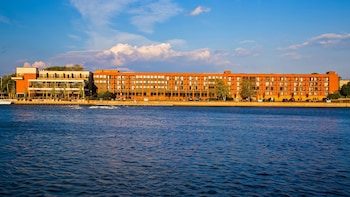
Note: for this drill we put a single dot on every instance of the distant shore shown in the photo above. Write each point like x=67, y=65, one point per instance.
x=185, y=103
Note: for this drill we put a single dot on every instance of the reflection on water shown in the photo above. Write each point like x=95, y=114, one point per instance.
x=179, y=151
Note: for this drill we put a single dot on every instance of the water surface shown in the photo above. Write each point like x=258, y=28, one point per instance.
x=176, y=151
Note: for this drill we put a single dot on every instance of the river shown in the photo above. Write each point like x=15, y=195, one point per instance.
x=174, y=151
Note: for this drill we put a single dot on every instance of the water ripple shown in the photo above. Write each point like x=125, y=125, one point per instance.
x=170, y=151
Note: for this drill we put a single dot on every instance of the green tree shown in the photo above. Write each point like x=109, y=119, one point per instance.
x=81, y=92
x=7, y=85
x=334, y=95
x=222, y=90
x=247, y=89
x=105, y=95
x=345, y=90
x=76, y=67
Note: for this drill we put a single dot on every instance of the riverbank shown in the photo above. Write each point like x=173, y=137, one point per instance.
x=185, y=103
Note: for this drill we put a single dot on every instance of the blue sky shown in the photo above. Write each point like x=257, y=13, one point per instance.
x=244, y=36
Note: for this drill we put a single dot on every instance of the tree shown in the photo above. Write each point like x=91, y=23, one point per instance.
x=81, y=92
x=222, y=90
x=247, y=89
x=105, y=95
x=334, y=95
x=76, y=67
x=345, y=90
x=7, y=85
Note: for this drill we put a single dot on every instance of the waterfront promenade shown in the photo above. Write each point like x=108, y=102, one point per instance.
x=184, y=103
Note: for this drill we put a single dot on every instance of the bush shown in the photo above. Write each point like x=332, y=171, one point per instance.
x=334, y=96
x=105, y=95
x=229, y=99
x=345, y=90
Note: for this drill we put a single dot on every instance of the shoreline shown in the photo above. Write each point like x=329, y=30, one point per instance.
x=186, y=103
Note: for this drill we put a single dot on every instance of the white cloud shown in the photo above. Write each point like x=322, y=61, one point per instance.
x=27, y=65
x=122, y=54
x=325, y=40
x=177, y=43
x=42, y=65
x=100, y=12
x=74, y=57
x=102, y=15
x=292, y=55
x=37, y=64
x=74, y=37
x=98, y=15
x=331, y=36
x=100, y=41
x=146, y=16
x=198, y=10
x=71, y=65
x=126, y=56
x=247, y=41
x=296, y=46
x=242, y=52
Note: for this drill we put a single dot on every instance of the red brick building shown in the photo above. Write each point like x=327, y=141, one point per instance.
x=184, y=86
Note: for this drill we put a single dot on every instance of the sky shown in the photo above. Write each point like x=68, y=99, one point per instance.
x=202, y=36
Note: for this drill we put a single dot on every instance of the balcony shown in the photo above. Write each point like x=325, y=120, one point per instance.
x=17, y=78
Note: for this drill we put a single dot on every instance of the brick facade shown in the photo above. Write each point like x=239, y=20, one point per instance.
x=184, y=86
